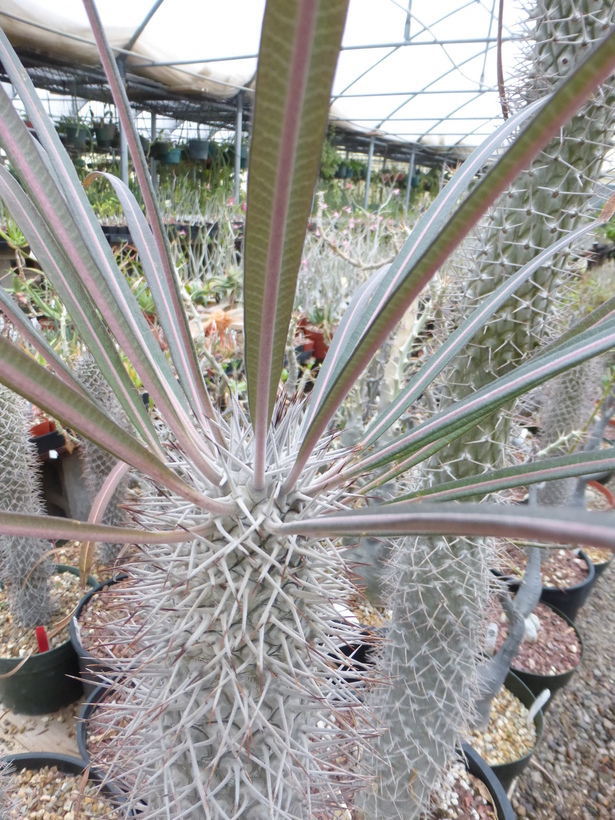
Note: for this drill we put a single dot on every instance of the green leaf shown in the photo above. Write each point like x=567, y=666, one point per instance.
x=454, y=420
x=548, y=469
x=394, y=301
x=300, y=42
x=26, y=377
x=550, y=525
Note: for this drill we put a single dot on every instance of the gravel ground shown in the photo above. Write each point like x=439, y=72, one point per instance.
x=572, y=774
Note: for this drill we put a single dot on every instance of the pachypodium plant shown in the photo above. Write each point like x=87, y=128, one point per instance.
x=98, y=463
x=24, y=563
x=241, y=701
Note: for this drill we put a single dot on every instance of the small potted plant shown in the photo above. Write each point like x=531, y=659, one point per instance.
x=198, y=148
x=76, y=132
x=104, y=128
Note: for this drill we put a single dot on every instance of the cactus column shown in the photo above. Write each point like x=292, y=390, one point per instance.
x=440, y=586
x=24, y=564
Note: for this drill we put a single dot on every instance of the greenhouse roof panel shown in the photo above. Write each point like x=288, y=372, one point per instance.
x=409, y=70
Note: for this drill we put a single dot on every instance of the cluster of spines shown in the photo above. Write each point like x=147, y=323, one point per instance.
x=24, y=561
x=98, y=463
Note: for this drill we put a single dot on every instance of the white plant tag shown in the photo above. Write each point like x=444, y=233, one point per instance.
x=490, y=638
x=540, y=701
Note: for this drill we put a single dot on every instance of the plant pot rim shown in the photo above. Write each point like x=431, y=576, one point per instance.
x=75, y=638
x=553, y=677
x=604, y=491
x=477, y=766
x=512, y=579
x=588, y=580
x=67, y=764
x=44, y=659
x=512, y=768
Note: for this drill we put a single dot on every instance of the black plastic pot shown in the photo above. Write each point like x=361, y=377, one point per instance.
x=538, y=683
x=97, y=694
x=569, y=601
x=77, y=136
x=90, y=668
x=198, y=150
x=599, y=569
x=105, y=134
x=68, y=765
x=506, y=772
x=477, y=766
x=47, y=681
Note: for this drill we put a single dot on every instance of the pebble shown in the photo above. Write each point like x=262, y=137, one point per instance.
x=577, y=751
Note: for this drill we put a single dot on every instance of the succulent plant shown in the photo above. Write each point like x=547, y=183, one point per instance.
x=241, y=684
x=98, y=463
x=24, y=563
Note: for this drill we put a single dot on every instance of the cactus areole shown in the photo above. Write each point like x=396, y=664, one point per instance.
x=240, y=699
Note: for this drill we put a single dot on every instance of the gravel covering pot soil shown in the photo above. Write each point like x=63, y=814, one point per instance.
x=47, y=681
x=55, y=787
x=101, y=615
x=508, y=743
x=600, y=558
x=471, y=791
x=572, y=774
x=550, y=662
x=567, y=577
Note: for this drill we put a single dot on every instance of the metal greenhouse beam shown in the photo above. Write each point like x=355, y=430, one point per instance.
x=238, y=134
x=409, y=182
x=368, y=176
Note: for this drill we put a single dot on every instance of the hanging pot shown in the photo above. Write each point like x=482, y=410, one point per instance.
x=198, y=150
x=91, y=669
x=105, y=134
x=47, y=681
x=172, y=157
x=159, y=150
x=68, y=765
x=77, y=136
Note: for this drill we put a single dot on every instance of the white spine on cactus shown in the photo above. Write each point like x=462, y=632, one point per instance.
x=242, y=687
x=97, y=463
x=438, y=609
x=568, y=403
x=24, y=563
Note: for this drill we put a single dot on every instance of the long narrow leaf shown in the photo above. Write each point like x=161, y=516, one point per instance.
x=421, y=237
x=549, y=469
x=50, y=526
x=162, y=294
x=551, y=525
x=566, y=100
x=25, y=327
x=72, y=221
x=26, y=377
x=190, y=373
x=340, y=347
x=463, y=334
x=300, y=42
x=75, y=298
x=490, y=398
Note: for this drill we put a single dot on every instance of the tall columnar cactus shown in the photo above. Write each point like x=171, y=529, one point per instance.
x=97, y=463
x=241, y=701
x=435, y=627
x=24, y=563
x=566, y=410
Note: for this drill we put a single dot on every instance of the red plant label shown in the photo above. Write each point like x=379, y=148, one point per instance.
x=42, y=639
